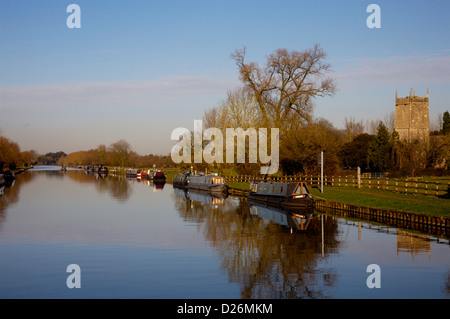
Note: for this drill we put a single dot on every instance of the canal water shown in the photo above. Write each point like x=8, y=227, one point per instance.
x=132, y=239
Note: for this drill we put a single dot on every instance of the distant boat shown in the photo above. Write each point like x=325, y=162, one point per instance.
x=102, y=170
x=283, y=195
x=132, y=172
x=158, y=177
x=210, y=183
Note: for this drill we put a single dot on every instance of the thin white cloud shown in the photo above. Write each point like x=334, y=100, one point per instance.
x=398, y=70
x=99, y=94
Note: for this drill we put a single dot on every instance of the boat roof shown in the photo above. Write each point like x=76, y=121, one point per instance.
x=278, y=188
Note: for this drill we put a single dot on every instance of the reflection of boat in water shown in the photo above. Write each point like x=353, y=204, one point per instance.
x=284, y=195
x=295, y=219
x=203, y=197
x=157, y=186
x=100, y=175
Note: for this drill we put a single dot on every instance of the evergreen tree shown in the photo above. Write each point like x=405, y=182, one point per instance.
x=378, y=157
x=354, y=153
x=446, y=123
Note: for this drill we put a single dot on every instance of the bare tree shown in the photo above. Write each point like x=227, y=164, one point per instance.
x=353, y=128
x=389, y=121
x=288, y=82
x=121, y=152
x=211, y=117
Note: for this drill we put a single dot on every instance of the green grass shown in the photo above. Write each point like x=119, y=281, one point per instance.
x=239, y=185
x=364, y=197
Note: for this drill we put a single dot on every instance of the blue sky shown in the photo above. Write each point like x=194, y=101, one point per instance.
x=136, y=70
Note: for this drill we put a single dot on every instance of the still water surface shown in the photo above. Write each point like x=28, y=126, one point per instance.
x=132, y=239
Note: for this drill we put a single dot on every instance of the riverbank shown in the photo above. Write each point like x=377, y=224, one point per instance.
x=18, y=171
x=371, y=198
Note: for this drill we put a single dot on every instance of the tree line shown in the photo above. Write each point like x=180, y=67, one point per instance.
x=118, y=154
x=281, y=94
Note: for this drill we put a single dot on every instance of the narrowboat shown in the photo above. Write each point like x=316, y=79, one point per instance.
x=210, y=183
x=158, y=177
x=132, y=172
x=89, y=168
x=102, y=170
x=181, y=180
x=285, y=195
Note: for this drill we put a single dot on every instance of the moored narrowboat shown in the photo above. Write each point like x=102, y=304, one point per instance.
x=131, y=172
x=158, y=177
x=181, y=180
x=284, y=195
x=102, y=170
x=210, y=183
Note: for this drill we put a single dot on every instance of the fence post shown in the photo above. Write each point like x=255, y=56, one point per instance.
x=359, y=177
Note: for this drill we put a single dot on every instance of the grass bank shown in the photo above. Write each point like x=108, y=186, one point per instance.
x=427, y=205
x=364, y=197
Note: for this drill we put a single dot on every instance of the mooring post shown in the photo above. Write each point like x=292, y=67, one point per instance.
x=321, y=172
x=359, y=177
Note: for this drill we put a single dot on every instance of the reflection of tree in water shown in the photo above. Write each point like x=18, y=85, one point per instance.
x=265, y=258
x=115, y=186
x=11, y=193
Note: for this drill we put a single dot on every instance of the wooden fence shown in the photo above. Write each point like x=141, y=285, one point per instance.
x=408, y=186
x=436, y=225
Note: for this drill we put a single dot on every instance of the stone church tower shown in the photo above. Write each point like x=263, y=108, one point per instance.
x=412, y=117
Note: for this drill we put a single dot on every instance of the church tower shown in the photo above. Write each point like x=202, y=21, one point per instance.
x=412, y=117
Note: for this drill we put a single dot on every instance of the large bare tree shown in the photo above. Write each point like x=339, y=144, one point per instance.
x=288, y=82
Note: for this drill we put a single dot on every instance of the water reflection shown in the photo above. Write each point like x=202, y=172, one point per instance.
x=265, y=257
x=295, y=220
x=265, y=251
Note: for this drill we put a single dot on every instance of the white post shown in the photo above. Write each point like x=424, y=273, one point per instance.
x=359, y=177
x=321, y=172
